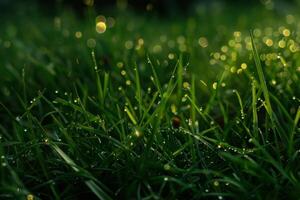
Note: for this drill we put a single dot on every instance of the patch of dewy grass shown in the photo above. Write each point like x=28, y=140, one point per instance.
x=96, y=140
x=94, y=187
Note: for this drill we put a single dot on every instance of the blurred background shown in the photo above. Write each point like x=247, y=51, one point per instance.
x=52, y=40
x=161, y=7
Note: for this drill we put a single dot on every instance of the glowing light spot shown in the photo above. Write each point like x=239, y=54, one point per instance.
x=137, y=133
x=215, y=85
x=100, y=18
x=128, y=44
x=216, y=183
x=257, y=32
x=120, y=64
x=91, y=43
x=293, y=48
x=167, y=167
x=123, y=72
x=238, y=46
x=174, y=109
x=186, y=85
x=217, y=55
x=244, y=66
x=224, y=49
x=203, y=42
x=231, y=43
x=157, y=49
x=233, y=69
x=223, y=57
x=212, y=62
x=100, y=27
x=78, y=34
x=290, y=19
x=141, y=41
x=171, y=56
x=181, y=39
x=128, y=82
x=149, y=7
x=282, y=44
x=111, y=22
x=30, y=197
x=269, y=42
x=182, y=47
x=57, y=22
x=286, y=32
x=237, y=34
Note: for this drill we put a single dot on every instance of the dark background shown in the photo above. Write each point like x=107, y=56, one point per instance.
x=160, y=7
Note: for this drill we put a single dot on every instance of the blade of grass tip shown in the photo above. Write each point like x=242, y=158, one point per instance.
x=105, y=85
x=155, y=78
x=241, y=103
x=138, y=93
x=179, y=78
x=90, y=183
x=193, y=97
x=150, y=106
x=261, y=77
x=24, y=85
x=214, y=95
x=131, y=117
x=98, y=80
x=199, y=110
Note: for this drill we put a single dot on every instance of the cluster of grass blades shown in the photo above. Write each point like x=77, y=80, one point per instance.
x=80, y=145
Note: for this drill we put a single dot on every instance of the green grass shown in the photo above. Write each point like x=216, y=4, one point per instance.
x=96, y=116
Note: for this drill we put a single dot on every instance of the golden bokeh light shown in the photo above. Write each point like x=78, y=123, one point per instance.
x=203, y=42
x=100, y=27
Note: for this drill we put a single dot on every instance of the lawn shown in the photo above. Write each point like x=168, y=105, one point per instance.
x=117, y=102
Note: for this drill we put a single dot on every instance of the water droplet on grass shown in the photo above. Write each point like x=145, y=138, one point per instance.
x=18, y=118
x=216, y=183
x=215, y=84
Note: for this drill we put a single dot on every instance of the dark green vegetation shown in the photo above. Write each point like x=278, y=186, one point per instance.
x=186, y=108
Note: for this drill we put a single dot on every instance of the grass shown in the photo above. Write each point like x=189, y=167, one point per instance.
x=186, y=108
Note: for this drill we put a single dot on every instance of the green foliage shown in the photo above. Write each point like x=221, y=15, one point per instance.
x=151, y=108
